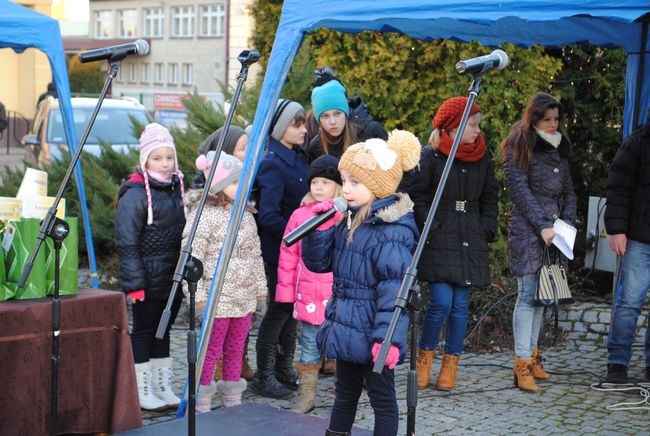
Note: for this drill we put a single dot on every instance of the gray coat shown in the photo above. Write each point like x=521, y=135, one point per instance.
x=538, y=197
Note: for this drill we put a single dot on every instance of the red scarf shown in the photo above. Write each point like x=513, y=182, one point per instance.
x=466, y=152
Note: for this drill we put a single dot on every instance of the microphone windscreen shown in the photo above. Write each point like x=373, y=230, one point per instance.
x=340, y=204
x=142, y=47
x=503, y=58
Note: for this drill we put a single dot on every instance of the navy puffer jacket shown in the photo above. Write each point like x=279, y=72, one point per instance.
x=367, y=277
x=456, y=250
x=538, y=196
x=149, y=253
x=281, y=183
x=628, y=188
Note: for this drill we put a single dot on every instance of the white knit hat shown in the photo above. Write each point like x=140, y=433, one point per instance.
x=155, y=136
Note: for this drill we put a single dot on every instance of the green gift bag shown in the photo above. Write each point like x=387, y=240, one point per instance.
x=23, y=243
x=68, y=262
x=6, y=291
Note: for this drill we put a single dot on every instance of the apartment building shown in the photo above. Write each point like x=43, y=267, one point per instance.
x=193, y=45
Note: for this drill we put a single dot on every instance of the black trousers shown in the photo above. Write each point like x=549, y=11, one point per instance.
x=146, y=317
x=278, y=322
x=381, y=391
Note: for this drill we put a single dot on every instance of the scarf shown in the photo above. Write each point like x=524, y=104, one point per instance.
x=466, y=152
x=552, y=138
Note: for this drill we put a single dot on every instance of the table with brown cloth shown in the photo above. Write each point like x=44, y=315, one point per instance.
x=97, y=389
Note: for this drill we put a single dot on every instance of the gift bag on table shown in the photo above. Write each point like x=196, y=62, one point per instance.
x=18, y=252
x=6, y=291
x=68, y=261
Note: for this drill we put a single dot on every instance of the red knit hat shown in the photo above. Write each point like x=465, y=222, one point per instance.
x=451, y=111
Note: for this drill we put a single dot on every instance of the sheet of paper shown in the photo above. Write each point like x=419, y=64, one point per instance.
x=565, y=237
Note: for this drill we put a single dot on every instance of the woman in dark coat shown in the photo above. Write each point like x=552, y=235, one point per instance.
x=456, y=255
x=282, y=183
x=535, y=162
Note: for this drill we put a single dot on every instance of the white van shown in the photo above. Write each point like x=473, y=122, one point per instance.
x=113, y=126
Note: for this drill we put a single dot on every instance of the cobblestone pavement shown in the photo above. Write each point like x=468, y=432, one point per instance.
x=485, y=400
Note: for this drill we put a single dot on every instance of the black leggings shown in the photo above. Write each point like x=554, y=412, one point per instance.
x=278, y=321
x=146, y=317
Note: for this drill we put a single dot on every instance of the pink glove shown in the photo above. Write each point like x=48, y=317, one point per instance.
x=324, y=206
x=391, y=358
x=135, y=296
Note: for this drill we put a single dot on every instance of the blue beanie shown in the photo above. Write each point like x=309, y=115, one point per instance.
x=328, y=96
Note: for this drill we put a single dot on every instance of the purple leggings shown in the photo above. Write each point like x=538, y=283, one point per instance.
x=228, y=338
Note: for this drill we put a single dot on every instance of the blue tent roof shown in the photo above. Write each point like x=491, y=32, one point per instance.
x=22, y=28
x=521, y=22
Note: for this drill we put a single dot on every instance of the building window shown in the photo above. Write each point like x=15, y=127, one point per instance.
x=187, y=74
x=128, y=19
x=154, y=22
x=120, y=75
x=104, y=24
x=173, y=74
x=183, y=21
x=146, y=76
x=159, y=72
x=133, y=73
x=212, y=20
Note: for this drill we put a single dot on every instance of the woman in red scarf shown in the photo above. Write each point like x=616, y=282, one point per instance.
x=456, y=255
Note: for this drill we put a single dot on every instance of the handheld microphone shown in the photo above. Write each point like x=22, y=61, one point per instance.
x=340, y=205
x=116, y=52
x=497, y=59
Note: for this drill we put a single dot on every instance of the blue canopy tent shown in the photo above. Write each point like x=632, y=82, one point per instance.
x=521, y=22
x=22, y=28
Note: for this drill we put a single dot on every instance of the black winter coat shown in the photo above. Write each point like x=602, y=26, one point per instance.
x=539, y=197
x=456, y=250
x=628, y=188
x=149, y=253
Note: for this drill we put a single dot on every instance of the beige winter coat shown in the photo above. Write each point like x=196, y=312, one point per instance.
x=245, y=279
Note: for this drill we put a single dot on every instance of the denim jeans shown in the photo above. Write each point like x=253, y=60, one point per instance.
x=447, y=302
x=631, y=291
x=526, y=318
x=309, y=354
x=381, y=391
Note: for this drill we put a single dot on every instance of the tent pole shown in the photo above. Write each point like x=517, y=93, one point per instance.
x=640, y=71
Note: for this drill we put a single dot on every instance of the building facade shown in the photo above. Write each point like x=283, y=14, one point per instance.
x=193, y=45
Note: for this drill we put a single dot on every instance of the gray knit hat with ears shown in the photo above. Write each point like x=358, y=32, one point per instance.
x=285, y=112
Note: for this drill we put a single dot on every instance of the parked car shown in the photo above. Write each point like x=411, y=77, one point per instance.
x=47, y=140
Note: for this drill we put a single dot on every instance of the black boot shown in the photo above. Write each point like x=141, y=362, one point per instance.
x=329, y=432
x=616, y=373
x=284, y=369
x=265, y=383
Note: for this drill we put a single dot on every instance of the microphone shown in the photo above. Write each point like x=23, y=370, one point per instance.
x=340, y=205
x=116, y=52
x=497, y=59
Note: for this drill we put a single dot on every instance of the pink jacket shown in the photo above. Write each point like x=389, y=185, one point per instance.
x=309, y=291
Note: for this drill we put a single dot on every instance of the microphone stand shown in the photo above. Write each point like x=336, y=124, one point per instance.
x=57, y=229
x=246, y=58
x=409, y=293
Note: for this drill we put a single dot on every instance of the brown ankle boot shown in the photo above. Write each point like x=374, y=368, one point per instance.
x=447, y=377
x=218, y=370
x=524, y=379
x=246, y=371
x=538, y=367
x=423, y=365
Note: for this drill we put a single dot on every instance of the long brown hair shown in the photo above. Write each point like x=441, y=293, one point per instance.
x=349, y=134
x=522, y=136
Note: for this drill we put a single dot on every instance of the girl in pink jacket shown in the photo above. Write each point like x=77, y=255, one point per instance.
x=309, y=291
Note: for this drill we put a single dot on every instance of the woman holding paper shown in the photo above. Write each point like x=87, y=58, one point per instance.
x=535, y=162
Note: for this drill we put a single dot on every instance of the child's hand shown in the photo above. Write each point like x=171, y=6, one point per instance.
x=135, y=296
x=391, y=358
x=324, y=206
